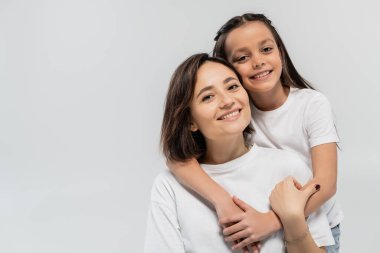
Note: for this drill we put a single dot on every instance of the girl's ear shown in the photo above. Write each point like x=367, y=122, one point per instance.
x=193, y=127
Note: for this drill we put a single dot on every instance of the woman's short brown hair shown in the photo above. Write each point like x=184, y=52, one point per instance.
x=178, y=142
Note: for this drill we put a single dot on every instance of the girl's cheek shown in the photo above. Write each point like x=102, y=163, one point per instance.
x=243, y=70
x=240, y=70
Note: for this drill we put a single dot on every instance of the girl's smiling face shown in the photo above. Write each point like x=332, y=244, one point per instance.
x=220, y=106
x=253, y=51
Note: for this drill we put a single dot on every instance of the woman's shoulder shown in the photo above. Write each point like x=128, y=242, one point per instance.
x=164, y=184
x=164, y=178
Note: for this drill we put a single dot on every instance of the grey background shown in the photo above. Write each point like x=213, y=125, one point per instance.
x=82, y=85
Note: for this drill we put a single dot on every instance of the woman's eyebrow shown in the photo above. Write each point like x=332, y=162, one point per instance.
x=228, y=79
x=210, y=87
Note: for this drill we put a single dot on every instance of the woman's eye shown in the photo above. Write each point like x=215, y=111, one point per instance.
x=206, y=98
x=233, y=87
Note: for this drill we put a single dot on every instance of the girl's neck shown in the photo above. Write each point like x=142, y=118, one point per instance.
x=270, y=100
x=225, y=150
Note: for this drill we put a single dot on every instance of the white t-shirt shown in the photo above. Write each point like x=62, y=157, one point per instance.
x=181, y=221
x=305, y=120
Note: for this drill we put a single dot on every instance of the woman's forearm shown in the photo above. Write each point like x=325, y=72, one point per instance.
x=288, y=202
x=298, y=238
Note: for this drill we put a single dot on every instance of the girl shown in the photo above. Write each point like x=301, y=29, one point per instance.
x=287, y=114
x=207, y=116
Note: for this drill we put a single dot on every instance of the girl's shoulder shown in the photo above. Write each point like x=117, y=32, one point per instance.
x=308, y=96
x=307, y=93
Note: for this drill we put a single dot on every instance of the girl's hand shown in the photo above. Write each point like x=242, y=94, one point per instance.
x=249, y=226
x=288, y=201
x=230, y=208
x=227, y=208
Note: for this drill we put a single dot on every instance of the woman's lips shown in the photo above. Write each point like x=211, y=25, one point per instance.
x=231, y=115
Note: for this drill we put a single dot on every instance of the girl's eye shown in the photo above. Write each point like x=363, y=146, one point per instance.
x=206, y=98
x=241, y=58
x=267, y=49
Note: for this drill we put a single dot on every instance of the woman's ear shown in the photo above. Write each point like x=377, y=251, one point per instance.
x=193, y=127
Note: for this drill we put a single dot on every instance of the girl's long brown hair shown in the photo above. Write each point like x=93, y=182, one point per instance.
x=289, y=76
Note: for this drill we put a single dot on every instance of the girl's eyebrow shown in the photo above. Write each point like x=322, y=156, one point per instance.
x=243, y=49
x=265, y=41
x=240, y=50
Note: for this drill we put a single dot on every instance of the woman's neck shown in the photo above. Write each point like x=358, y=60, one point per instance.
x=225, y=150
x=271, y=100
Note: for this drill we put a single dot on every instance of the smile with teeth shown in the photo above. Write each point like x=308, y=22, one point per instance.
x=262, y=74
x=230, y=115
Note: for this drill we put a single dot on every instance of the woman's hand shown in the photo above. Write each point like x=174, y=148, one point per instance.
x=249, y=226
x=288, y=201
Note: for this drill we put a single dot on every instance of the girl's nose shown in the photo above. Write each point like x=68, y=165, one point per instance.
x=257, y=62
x=259, y=65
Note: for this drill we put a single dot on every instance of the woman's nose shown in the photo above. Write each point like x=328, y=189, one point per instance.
x=226, y=101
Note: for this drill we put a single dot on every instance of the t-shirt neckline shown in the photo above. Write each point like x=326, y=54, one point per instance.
x=280, y=109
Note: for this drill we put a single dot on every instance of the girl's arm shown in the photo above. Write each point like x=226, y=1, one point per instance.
x=324, y=162
x=191, y=175
x=289, y=203
x=322, y=136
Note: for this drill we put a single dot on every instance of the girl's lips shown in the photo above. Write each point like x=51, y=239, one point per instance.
x=262, y=75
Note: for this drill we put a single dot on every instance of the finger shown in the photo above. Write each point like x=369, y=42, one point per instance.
x=289, y=180
x=233, y=229
x=243, y=243
x=232, y=219
x=256, y=247
x=236, y=242
x=297, y=184
x=239, y=236
x=240, y=203
x=311, y=189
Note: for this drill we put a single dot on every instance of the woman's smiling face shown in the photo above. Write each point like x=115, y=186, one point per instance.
x=220, y=106
x=253, y=51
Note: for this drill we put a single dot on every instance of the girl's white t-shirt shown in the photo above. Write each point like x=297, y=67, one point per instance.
x=305, y=120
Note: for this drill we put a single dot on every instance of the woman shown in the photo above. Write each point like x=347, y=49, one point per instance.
x=207, y=115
